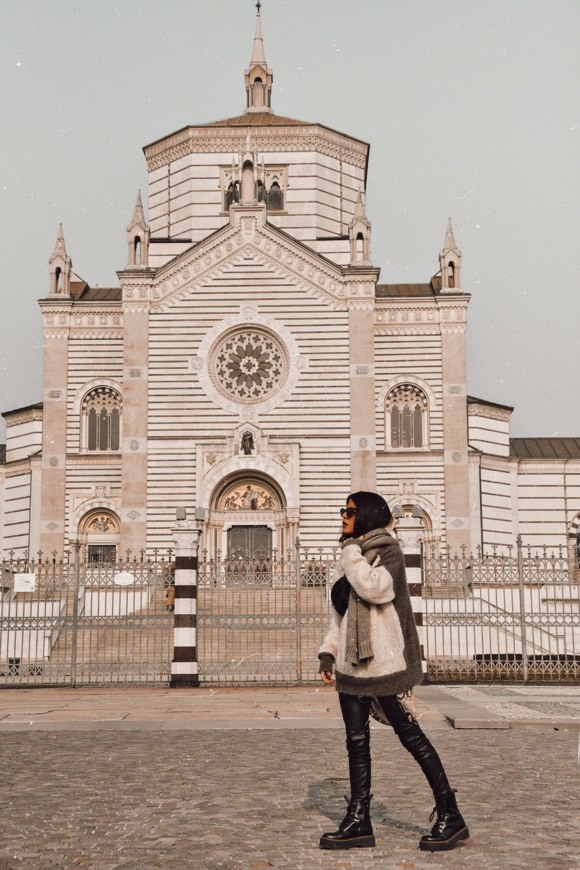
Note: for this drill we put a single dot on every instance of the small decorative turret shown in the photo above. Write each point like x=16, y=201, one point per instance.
x=259, y=76
x=60, y=268
x=450, y=263
x=359, y=233
x=248, y=175
x=138, y=234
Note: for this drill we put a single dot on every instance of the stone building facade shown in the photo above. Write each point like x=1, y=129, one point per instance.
x=252, y=367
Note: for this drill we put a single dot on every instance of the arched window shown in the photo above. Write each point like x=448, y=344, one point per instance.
x=137, y=250
x=451, y=273
x=407, y=411
x=101, y=412
x=275, y=198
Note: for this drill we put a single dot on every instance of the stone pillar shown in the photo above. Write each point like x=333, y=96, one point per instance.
x=410, y=536
x=134, y=424
x=457, y=507
x=35, y=493
x=360, y=286
x=54, y=425
x=185, y=667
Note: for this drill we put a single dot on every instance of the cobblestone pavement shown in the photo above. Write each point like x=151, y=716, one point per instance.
x=256, y=799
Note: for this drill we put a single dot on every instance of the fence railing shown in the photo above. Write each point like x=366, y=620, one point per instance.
x=497, y=614
x=67, y=622
x=511, y=614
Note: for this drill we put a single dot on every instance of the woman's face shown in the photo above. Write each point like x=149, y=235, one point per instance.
x=348, y=521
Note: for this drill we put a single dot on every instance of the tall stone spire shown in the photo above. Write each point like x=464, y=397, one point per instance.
x=359, y=233
x=259, y=76
x=450, y=262
x=59, y=267
x=138, y=235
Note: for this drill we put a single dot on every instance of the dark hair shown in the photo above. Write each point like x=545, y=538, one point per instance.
x=372, y=512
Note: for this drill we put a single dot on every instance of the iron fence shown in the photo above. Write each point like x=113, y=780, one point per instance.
x=262, y=621
x=511, y=614
x=66, y=622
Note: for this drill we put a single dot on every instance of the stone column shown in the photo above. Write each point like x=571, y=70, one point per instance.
x=360, y=286
x=410, y=536
x=457, y=508
x=185, y=667
x=54, y=425
x=134, y=425
x=35, y=493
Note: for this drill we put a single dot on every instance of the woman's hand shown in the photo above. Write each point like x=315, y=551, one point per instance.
x=327, y=678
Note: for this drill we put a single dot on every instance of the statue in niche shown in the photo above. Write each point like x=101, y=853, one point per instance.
x=247, y=443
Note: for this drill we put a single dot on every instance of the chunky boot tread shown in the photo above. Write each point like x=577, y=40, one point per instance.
x=355, y=830
x=435, y=844
x=329, y=842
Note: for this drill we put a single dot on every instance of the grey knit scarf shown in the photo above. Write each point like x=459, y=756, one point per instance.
x=359, y=646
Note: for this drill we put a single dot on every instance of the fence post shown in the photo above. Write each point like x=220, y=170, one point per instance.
x=522, y=609
x=298, y=613
x=75, y=614
x=410, y=535
x=185, y=665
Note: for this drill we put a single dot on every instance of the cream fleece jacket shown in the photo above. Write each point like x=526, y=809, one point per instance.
x=396, y=664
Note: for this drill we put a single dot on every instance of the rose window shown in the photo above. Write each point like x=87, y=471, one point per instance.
x=248, y=365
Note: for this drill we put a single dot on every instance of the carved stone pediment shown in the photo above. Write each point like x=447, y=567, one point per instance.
x=249, y=241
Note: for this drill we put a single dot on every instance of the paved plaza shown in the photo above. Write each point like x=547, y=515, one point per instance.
x=250, y=778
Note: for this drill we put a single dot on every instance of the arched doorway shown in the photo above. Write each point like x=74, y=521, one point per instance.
x=99, y=533
x=248, y=519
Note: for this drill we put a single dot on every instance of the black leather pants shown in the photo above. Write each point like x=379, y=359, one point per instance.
x=356, y=714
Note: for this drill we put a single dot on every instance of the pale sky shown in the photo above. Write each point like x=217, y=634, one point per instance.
x=470, y=107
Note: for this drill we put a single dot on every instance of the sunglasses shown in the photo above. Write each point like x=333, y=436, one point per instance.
x=347, y=512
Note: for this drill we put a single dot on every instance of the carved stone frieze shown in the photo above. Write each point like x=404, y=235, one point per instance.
x=83, y=459
x=16, y=469
x=27, y=415
x=232, y=140
x=407, y=330
x=489, y=413
x=96, y=334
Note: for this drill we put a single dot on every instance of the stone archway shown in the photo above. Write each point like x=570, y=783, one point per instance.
x=248, y=519
x=99, y=533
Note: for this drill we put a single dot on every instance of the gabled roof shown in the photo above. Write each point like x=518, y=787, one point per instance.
x=394, y=290
x=100, y=294
x=545, y=448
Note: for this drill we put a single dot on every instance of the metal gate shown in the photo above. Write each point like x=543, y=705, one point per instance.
x=262, y=620
x=495, y=615
x=76, y=624
x=502, y=615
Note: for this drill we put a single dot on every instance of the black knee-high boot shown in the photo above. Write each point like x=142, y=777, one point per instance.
x=355, y=830
x=449, y=827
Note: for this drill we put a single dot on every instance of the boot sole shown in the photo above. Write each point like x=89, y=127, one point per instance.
x=353, y=843
x=444, y=845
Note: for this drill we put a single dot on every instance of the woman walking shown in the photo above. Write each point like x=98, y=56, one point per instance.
x=374, y=648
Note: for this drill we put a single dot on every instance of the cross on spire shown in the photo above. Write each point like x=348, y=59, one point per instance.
x=258, y=6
